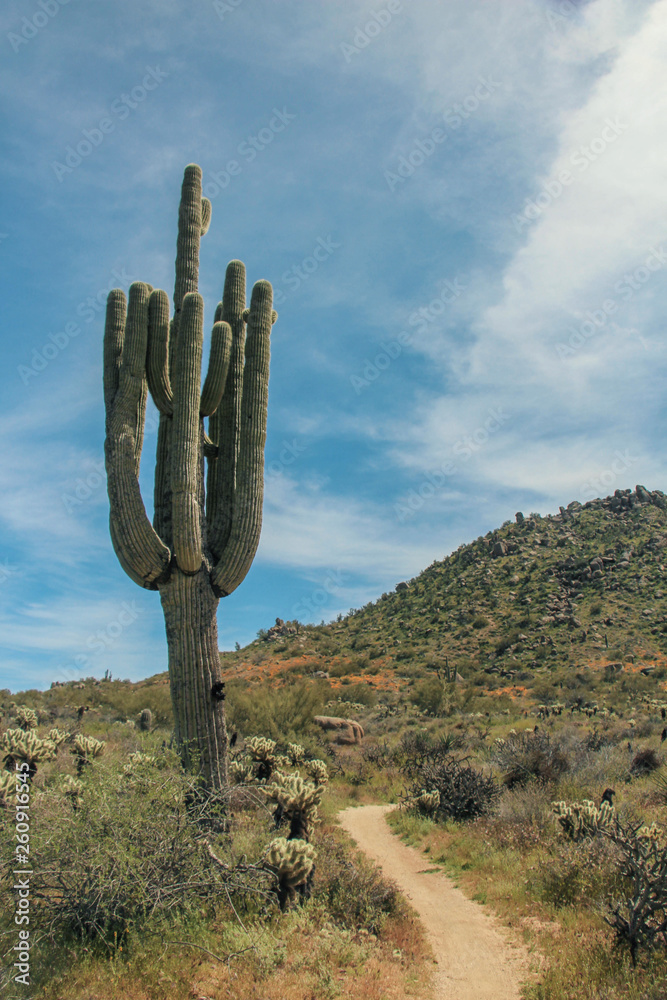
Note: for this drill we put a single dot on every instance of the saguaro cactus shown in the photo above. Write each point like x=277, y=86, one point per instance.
x=206, y=527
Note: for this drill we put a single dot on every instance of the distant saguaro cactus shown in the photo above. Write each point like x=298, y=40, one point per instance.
x=206, y=528
x=145, y=719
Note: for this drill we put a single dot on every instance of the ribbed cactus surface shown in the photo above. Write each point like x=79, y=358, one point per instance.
x=207, y=521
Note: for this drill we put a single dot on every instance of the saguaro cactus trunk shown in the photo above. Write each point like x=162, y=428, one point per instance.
x=207, y=523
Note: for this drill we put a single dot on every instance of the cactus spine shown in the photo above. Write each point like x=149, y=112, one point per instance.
x=206, y=527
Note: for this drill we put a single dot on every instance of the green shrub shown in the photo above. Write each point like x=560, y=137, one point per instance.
x=428, y=696
x=128, y=853
x=362, y=694
x=569, y=873
x=282, y=713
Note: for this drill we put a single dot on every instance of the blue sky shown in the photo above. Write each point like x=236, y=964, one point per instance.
x=462, y=210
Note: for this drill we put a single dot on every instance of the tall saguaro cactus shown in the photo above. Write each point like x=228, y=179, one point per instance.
x=207, y=523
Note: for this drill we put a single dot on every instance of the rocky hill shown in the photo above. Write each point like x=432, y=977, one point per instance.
x=536, y=601
x=571, y=607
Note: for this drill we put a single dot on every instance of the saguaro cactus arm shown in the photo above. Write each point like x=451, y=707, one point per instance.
x=218, y=366
x=157, y=360
x=246, y=507
x=140, y=551
x=186, y=437
x=224, y=425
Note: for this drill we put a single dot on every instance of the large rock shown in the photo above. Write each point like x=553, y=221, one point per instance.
x=347, y=731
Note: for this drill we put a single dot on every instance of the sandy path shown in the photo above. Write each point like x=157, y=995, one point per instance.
x=476, y=960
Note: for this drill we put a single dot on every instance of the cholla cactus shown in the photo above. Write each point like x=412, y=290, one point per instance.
x=427, y=802
x=26, y=718
x=652, y=832
x=18, y=745
x=7, y=788
x=85, y=749
x=138, y=769
x=295, y=754
x=145, y=720
x=263, y=751
x=317, y=770
x=296, y=801
x=139, y=762
x=73, y=790
x=241, y=772
x=57, y=736
x=583, y=819
x=291, y=861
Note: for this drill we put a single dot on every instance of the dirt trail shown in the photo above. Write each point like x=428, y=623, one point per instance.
x=476, y=960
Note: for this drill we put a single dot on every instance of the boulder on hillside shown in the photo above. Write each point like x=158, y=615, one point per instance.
x=347, y=731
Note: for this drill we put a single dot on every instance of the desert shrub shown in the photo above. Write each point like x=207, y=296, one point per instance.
x=127, y=854
x=644, y=762
x=506, y=642
x=480, y=622
x=361, y=694
x=355, y=892
x=428, y=696
x=525, y=805
x=570, y=873
x=639, y=914
x=342, y=669
x=415, y=750
x=463, y=792
x=285, y=712
x=526, y=756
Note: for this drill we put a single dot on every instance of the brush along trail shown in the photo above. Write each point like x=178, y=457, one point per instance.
x=475, y=959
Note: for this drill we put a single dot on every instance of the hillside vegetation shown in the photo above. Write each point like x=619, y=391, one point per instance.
x=502, y=691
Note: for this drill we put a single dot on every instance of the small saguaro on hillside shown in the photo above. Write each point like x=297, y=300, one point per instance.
x=207, y=523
